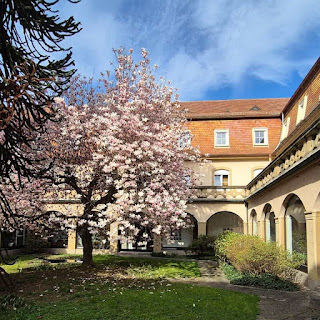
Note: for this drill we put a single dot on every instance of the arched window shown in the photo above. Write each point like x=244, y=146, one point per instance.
x=221, y=178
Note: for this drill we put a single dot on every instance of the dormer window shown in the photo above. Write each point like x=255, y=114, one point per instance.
x=255, y=108
x=285, y=128
x=302, y=109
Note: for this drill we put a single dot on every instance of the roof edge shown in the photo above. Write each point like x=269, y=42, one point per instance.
x=233, y=116
x=315, y=68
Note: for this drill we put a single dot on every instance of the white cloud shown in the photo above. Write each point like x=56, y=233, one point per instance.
x=206, y=44
x=249, y=38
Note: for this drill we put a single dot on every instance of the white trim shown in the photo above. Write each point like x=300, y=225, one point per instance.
x=221, y=173
x=265, y=130
x=215, y=138
x=285, y=129
x=301, y=112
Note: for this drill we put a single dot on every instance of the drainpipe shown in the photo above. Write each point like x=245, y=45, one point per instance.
x=247, y=213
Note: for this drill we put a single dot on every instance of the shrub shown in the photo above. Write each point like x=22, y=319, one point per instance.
x=203, y=246
x=222, y=242
x=265, y=280
x=251, y=254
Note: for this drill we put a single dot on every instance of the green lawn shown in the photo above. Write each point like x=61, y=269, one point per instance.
x=121, y=288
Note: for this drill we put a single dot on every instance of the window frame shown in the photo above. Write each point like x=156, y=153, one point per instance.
x=226, y=131
x=266, y=138
x=221, y=173
x=285, y=129
x=301, y=112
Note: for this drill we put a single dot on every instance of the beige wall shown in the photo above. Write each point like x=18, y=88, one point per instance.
x=240, y=171
x=203, y=211
x=305, y=184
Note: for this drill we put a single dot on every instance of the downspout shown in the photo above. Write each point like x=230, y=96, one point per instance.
x=247, y=213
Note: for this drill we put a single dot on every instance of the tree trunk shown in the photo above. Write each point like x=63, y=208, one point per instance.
x=87, y=246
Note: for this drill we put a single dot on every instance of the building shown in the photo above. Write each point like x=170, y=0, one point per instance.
x=262, y=177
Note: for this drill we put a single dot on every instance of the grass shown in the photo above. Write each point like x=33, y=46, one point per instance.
x=119, y=288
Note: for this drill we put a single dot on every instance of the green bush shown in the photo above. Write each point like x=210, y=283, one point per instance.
x=202, y=246
x=267, y=281
x=250, y=254
x=222, y=242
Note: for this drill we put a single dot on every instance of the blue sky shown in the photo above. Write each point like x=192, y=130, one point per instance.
x=209, y=49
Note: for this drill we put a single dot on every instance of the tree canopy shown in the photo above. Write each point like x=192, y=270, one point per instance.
x=118, y=154
x=30, y=32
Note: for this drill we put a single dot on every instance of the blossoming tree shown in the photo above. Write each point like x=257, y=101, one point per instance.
x=118, y=152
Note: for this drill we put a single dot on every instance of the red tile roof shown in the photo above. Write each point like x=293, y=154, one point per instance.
x=242, y=108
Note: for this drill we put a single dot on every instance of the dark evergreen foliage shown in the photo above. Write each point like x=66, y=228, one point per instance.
x=30, y=31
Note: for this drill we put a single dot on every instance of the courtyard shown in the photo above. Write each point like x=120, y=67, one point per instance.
x=119, y=288
x=122, y=287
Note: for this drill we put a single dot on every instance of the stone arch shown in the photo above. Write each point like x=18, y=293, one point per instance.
x=295, y=224
x=270, y=225
x=223, y=221
x=316, y=206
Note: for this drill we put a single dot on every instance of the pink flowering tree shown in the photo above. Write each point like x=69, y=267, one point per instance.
x=118, y=151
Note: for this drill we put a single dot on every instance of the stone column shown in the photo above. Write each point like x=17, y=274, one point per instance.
x=114, y=237
x=281, y=231
x=202, y=228
x=157, y=243
x=250, y=225
x=72, y=241
x=263, y=230
x=313, y=248
x=245, y=228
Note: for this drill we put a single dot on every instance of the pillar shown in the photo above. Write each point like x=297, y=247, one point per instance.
x=250, y=226
x=288, y=233
x=72, y=241
x=202, y=228
x=313, y=248
x=245, y=228
x=267, y=230
x=281, y=231
x=157, y=243
x=114, y=237
x=262, y=230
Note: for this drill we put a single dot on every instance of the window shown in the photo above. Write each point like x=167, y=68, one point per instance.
x=176, y=235
x=301, y=109
x=285, y=128
x=221, y=138
x=221, y=178
x=260, y=137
